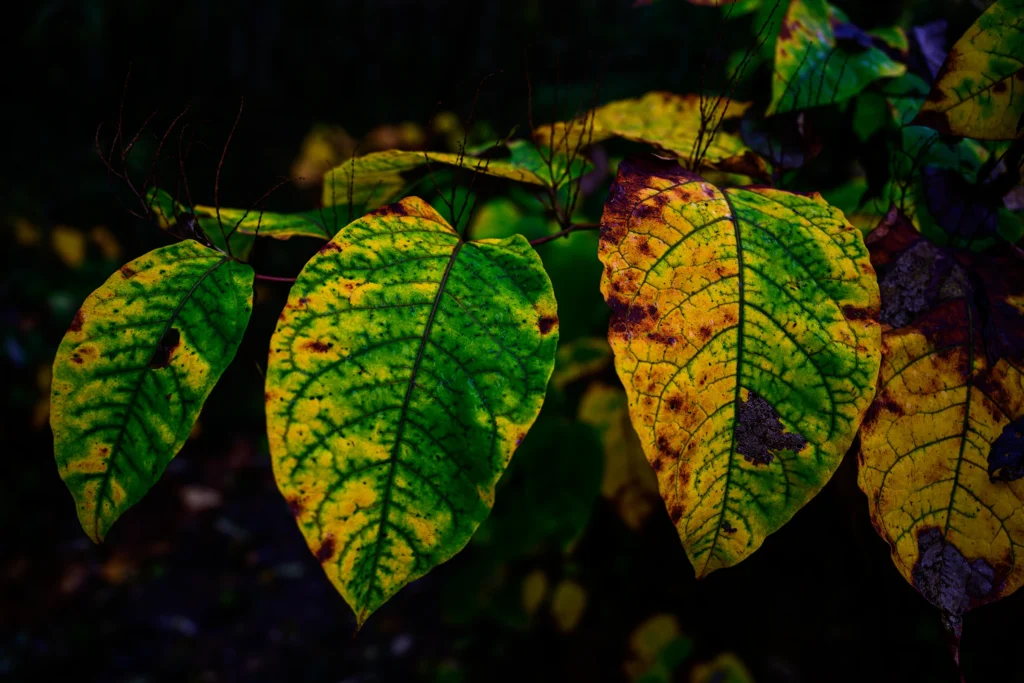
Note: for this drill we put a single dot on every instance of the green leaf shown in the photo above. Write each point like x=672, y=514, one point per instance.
x=812, y=69
x=404, y=371
x=201, y=224
x=245, y=223
x=374, y=180
x=744, y=330
x=134, y=369
x=978, y=90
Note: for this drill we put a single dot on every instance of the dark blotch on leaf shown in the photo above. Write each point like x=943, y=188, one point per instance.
x=76, y=322
x=728, y=528
x=318, y=346
x=329, y=247
x=326, y=550
x=546, y=324
x=1006, y=458
x=921, y=277
x=944, y=576
x=162, y=354
x=759, y=432
x=127, y=272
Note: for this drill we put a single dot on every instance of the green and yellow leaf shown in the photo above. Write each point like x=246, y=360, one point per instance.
x=744, y=330
x=979, y=91
x=373, y=180
x=954, y=525
x=134, y=369
x=812, y=70
x=404, y=371
x=242, y=224
x=668, y=122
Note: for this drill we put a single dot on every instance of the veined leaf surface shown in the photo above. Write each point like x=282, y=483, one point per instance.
x=928, y=444
x=373, y=180
x=246, y=223
x=744, y=332
x=668, y=122
x=979, y=91
x=134, y=369
x=812, y=70
x=405, y=369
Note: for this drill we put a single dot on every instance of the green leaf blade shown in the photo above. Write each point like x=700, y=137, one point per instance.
x=404, y=371
x=133, y=371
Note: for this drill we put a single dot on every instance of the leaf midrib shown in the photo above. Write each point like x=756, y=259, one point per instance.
x=115, y=448
x=402, y=417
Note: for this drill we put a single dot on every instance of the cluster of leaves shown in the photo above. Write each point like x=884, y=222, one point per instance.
x=756, y=331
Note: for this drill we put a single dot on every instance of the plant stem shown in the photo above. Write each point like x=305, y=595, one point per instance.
x=273, y=278
x=565, y=232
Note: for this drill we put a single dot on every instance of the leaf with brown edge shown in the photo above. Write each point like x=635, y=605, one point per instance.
x=668, y=122
x=812, y=68
x=926, y=462
x=979, y=90
x=744, y=330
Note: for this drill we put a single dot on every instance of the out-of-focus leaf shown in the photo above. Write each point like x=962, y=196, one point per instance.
x=979, y=91
x=725, y=668
x=668, y=122
x=744, y=330
x=629, y=482
x=579, y=359
x=568, y=601
x=535, y=589
x=812, y=69
x=133, y=371
x=657, y=649
x=375, y=179
x=69, y=245
x=404, y=371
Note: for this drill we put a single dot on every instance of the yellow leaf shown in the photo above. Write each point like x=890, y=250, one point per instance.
x=668, y=122
x=567, y=605
x=108, y=244
x=628, y=480
x=651, y=636
x=69, y=244
x=955, y=527
x=978, y=91
x=725, y=668
x=744, y=331
x=535, y=589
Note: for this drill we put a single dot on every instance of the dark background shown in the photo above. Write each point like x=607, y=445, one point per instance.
x=208, y=579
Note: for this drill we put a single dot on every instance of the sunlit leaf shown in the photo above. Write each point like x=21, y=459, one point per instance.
x=405, y=369
x=375, y=179
x=629, y=483
x=744, y=332
x=134, y=369
x=812, y=69
x=930, y=466
x=670, y=123
x=979, y=91
x=202, y=226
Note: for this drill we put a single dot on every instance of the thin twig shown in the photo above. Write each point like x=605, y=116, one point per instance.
x=575, y=227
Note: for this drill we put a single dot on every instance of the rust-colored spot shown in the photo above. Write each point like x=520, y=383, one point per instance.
x=104, y=451
x=127, y=272
x=656, y=465
x=675, y=403
x=675, y=514
x=704, y=332
x=934, y=119
x=663, y=444
x=329, y=247
x=786, y=30
x=728, y=528
x=999, y=87
x=165, y=347
x=76, y=359
x=520, y=437
x=295, y=505
x=547, y=323
x=76, y=322
x=317, y=346
x=326, y=550
x=303, y=301
x=645, y=248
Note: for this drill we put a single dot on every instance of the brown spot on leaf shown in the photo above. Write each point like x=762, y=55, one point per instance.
x=704, y=332
x=165, y=347
x=933, y=119
x=317, y=346
x=76, y=359
x=76, y=322
x=855, y=313
x=657, y=464
x=326, y=550
x=759, y=432
x=295, y=505
x=675, y=514
x=329, y=247
x=728, y=528
x=547, y=323
x=999, y=87
x=675, y=403
x=126, y=272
